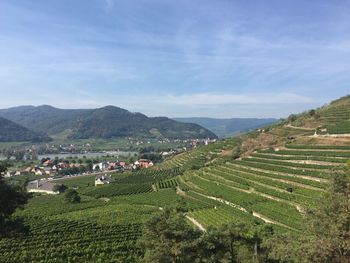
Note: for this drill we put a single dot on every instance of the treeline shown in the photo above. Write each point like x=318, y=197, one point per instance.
x=168, y=237
x=11, y=197
x=11, y=132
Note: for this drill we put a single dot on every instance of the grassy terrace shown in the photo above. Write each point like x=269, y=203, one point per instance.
x=199, y=156
x=335, y=160
x=289, y=178
x=319, y=147
x=269, y=187
x=306, y=152
x=252, y=202
x=221, y=215
x=289, y=164
x=273, y=185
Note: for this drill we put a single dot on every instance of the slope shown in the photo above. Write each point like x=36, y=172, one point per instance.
x=106, y=122
x=279, y=171
x=10, y=131
x=269, y=175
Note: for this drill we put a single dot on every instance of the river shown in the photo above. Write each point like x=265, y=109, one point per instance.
x=80, y=155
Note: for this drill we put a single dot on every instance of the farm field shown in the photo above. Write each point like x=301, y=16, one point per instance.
x=269, y=186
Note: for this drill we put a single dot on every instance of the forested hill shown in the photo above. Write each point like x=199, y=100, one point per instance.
x=10, y=131
x=228, y=127
x=106, y=122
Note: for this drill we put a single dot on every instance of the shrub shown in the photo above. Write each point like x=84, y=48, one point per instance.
x=71, y=196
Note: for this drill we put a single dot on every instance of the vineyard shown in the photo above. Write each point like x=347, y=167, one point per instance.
x=270, y=185
x=200, y=156
x=85, y=232
x=267, y=176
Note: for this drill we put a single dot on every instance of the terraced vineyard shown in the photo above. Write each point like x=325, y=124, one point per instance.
x=199, y=156
x=271, y=185
x=270, y=175
x=171, y=183
x=329, y=119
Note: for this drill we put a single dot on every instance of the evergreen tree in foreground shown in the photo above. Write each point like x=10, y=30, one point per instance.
x=11, y=198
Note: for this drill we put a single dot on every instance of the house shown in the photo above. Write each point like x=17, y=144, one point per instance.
x=37, y=171
x=104, y=179
x=143, y=163
x=112, y=166
x=47, y=170
x=100, y=166
x=122, y=164
x=27, y=170
x=39, y=186
x=48, y=163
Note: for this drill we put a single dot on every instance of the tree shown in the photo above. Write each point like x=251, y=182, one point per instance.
x=59, y=188
x=71, y=196
x=325, y=236
x=11, y=198
x=235, y=242
x=169, y=238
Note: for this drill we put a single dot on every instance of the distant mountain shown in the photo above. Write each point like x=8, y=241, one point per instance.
x=10, y=131
x=228, y=127
x=106, y=122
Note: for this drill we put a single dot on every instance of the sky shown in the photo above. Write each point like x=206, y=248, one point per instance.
x=204, y=58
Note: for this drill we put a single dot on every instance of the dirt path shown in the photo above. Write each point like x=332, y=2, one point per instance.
x=270, y=221
x=345, y=135
x=298, y=161
x=223, y=201
x=300, y=128
x=255, y=214
x=253, y=191
x=196, y=223
x=154, y=188
x=277, y=179
x=316, y=179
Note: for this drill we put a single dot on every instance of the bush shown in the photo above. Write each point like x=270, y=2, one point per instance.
x=71, y=196
x=59, y=188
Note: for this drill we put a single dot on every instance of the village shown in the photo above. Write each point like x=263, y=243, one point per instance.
x=43, y=173
x=57, y=169
x=81, y=163
x=50, y=172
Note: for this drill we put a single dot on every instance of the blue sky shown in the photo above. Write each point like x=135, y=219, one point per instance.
x=218, y=58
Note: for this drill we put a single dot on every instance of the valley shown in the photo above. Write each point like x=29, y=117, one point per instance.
x=269, y=176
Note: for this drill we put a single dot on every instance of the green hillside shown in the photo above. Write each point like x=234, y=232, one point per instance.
x=10, y=132
x=106, y=122
x=333, y=118
x=269, y=176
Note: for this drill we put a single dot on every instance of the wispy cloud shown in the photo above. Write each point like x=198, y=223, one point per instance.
x=207, y=99
x=176, y=57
